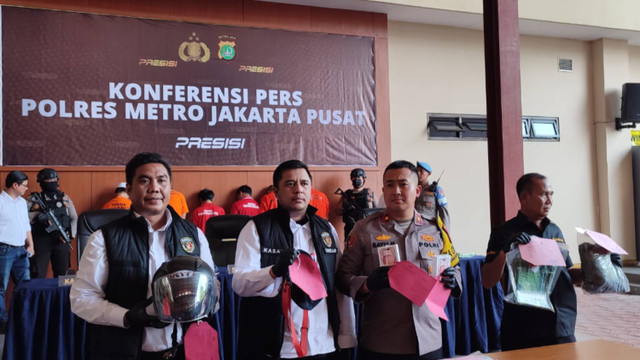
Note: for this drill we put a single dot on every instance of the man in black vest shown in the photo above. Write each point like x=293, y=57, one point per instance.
x=267, y=245
x=113, y=287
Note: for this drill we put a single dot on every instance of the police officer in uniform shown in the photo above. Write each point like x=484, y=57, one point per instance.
x=391, y=326
x=432, y=199
x=51, y=245
x=354, y=201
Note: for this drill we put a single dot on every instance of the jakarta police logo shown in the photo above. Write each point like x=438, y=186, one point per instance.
x=326, y=239
x=194, y=50
x=187, y=244
x=226, y=47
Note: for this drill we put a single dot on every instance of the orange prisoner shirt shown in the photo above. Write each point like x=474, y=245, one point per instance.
x=178, y=203
x=320, y=201
x=118, y=202
x=268, y=202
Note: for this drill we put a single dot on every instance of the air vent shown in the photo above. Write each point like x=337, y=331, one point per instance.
x=565, y=65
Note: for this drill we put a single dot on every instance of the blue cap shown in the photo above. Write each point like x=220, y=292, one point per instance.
x=424, y=165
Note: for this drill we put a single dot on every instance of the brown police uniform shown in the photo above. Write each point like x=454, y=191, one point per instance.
x=390, y=323
x=427, y=201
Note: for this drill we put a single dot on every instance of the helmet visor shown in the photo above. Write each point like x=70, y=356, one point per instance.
x=183, y=296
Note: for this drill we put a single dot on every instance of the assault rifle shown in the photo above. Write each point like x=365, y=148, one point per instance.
x=54, y=223
x=351, y=209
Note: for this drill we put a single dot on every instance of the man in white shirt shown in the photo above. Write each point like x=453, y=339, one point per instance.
x=16, y=244
x=267, y=245
x=113, y=285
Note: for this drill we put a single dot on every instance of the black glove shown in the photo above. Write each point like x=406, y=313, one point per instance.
x=42, y=218
x=448, y=279
x=616, y=260
x=379, y=279
x=285, y=258
x=137, y=316
x=519, y=238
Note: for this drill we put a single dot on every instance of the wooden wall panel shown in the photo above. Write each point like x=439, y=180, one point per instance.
x=342, y=21
x=103, y=185
x=90, y=187
x=280, y=16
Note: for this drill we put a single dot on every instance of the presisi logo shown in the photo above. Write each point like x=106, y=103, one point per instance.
x=217, y=143
x=256, y=69
x=158, y=62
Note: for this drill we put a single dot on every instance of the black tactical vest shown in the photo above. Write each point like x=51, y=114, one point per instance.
x=261, y=325
x=126, y=242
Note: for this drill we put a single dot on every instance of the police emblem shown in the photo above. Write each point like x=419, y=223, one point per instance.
x=427, y=237
x=431, y=254
x=227, y=50
x=194, y=50
x=326, y=239
x=187, y=244
x=383, y=237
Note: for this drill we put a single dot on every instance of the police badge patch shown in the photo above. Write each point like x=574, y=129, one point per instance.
x=427, y=237
x=187, y=244
x=326, y=239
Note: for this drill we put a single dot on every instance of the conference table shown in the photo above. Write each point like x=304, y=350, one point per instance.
x=42, y=326
x=583, y=350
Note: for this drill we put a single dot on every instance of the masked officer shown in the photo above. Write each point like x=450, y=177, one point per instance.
x=354, y=201
x=48, y=240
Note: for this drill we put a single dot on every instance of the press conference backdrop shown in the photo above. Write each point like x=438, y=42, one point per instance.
x=199, y=94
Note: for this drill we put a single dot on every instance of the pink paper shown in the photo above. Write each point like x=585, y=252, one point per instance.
x=411, y=281
x=542, y=252
x=305, y=273
x=606, y=242
x=437, y=300
x=201, y=342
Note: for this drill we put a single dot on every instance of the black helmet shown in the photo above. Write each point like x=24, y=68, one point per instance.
x=358, y=172
x=46, y=174
x=301, y=298
x=184, y=289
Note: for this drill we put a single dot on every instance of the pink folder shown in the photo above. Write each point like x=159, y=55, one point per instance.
x=305, y=273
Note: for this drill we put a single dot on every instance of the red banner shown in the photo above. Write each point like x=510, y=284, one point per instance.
x=81, y=89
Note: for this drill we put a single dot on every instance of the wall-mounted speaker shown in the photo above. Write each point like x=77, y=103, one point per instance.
x=630, y=110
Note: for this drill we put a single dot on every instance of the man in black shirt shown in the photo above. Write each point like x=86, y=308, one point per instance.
x=523, y=326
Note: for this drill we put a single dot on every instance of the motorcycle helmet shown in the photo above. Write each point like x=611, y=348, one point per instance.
x=184, y=289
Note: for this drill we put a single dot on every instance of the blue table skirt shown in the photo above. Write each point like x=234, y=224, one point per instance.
x=41, y=325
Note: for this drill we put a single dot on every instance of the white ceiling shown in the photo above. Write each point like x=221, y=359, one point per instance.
x=471, y=21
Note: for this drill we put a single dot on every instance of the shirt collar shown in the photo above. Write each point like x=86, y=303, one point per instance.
x=167, y=213
x=525, y=220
